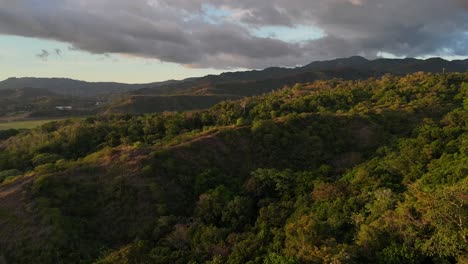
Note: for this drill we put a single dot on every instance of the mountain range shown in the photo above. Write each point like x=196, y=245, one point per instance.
x=203, y=92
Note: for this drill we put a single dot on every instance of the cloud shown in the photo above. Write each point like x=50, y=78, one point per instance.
x=44, y=55
x=218, y=33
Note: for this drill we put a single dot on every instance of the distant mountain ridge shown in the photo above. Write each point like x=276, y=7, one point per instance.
x=203, y=92
x=72, y=87
x=25, y=93
x=248, y=83
x=394, y=66
x=81, y=88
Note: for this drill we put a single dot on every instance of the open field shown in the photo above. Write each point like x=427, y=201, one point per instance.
x=28, y=124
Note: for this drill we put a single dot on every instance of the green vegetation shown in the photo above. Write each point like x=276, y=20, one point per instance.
x=371, y=171
x=204, y=92
x=36, y=103
x=29, y=124
x=151, y=104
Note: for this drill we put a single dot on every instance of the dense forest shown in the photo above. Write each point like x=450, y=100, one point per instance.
x=333, y=171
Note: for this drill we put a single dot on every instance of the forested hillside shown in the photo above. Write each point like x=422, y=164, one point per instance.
x=35, y=103
x=69, y=87
x=333, y=171
x=204, y=92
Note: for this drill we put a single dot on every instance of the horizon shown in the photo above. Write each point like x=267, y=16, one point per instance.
x=450, y=59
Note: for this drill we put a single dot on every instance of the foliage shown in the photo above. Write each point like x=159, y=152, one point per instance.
x=369, y=171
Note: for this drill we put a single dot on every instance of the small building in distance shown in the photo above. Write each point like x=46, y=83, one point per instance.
x=64, y=108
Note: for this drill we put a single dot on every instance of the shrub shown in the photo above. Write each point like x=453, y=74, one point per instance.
x=45, y=168
x=45, y=158
x=6, y=134
x=242, y=122
x=8, y=174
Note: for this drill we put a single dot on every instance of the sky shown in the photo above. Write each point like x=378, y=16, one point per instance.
x=139, y=41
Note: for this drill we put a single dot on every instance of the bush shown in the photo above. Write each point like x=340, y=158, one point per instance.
x=6, y=134
x=242, y=122
x=8, y=174
x=45, y=158
x=45, y=168
x=263, y=126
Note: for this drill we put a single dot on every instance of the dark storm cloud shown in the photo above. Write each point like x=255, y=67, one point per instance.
x=179, y=30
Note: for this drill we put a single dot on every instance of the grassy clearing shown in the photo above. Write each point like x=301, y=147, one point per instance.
x=24, y=124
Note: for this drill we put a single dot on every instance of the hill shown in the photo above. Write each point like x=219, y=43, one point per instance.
x=137, y=104
x=333, y=171
x=25, y=103
x=206, y=91
x=394, y=66
x=25, y=93
x=248, y=83
x=336, y=67
x=205, y=95
x=69, y=87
